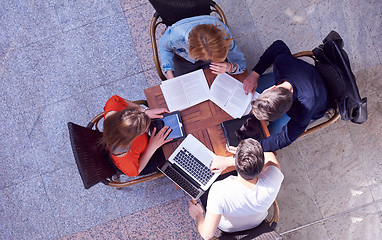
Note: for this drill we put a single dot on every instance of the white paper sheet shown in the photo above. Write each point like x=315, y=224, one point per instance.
x=185, y=91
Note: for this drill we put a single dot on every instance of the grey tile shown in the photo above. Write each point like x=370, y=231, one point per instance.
x=315, y=231
x=251, y=47
x=131, y=88
x=18, y=167
x=81, y=74
x=152, y=77
x=49, y=135
x=311, y=2
x=238, y=25
x=370, y=12
x=347, y=19
x=367, y=137
x=95, y=100
x=110, y=49
x=138, y=20
x=333, y=166
x=26, y=22
x=26, y=212
x=285, y=20
x=130, y=4
x=363, y=223
x=37, y=74
x=296, y=197
x=75, y=208
x=378, y=46
x=14, y=141
x=73, y=14
x=146, y=195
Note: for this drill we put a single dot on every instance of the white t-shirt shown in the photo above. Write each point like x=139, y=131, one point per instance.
x=241, y=207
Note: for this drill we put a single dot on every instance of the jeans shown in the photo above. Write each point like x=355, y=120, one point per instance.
x=266, y=81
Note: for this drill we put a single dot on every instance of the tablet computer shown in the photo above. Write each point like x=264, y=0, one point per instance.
x=237, y=129
x=172, y=120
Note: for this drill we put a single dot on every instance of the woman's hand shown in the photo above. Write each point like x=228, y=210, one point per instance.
x=156, y=112
x=159, y=139
x=220, y=67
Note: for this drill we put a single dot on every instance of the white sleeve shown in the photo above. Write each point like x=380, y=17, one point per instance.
x=214, y=203
x=272, y=176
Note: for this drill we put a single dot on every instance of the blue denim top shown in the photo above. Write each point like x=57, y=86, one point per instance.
x=175, y=40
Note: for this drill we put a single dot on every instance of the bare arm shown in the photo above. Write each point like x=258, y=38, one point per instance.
x=169, y=74
x=250, y=82
x=271, y=160
x=219, y=163
x=156, y=141
x=152, y=113
x=206, y=225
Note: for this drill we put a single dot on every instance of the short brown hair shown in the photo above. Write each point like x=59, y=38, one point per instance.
x=249, y=158
x=209, y=42
x=272, y=104
x=120, y=128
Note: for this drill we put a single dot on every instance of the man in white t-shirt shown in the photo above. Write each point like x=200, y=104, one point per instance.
x=240, y=202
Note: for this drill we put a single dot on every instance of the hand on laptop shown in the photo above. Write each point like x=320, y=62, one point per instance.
x=219, y=163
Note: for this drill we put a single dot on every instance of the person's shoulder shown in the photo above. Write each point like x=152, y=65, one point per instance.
x=140, y=143
x=272, y=173
x=224, y=182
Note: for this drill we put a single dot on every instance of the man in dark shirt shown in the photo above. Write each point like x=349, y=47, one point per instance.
x=308, y=97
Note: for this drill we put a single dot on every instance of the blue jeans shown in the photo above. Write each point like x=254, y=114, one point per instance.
x=266, y=81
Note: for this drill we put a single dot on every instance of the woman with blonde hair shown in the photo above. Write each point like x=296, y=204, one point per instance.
x=197, y=43
x=125, y=130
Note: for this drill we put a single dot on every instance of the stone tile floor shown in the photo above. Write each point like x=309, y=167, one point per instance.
x=61, y=60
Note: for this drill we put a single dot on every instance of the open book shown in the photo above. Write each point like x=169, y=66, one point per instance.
x=190, y=89
x=185, y=91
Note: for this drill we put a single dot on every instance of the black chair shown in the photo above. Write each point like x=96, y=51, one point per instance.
x=171, y=11
x=265, y=231
x=332, y=114
x=93, y=160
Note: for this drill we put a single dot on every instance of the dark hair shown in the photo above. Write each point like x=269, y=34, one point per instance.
x=272, y=104
x=249, y=158
x=120, y=128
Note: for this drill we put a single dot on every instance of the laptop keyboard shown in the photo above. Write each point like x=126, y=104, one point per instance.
x=193, y=166
x=182, y=182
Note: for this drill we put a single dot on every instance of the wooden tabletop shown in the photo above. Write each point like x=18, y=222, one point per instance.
x=202, y=120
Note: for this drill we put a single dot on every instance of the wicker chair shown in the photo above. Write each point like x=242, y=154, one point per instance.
x=171, y=11
x=332, y=113
x=265, y=231
x=93, y=161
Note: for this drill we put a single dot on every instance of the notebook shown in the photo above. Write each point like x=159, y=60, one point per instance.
x=237, y=129
x=188, y=167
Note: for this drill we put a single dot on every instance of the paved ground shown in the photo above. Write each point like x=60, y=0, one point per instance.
x=60, y=60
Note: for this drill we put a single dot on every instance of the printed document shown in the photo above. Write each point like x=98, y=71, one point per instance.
x=192, y=88
x=229, y=95
x=185, y=91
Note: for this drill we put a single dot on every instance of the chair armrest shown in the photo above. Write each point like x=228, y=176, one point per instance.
x=134, y=181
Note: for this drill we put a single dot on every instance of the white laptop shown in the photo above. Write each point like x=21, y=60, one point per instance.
x=189, y=167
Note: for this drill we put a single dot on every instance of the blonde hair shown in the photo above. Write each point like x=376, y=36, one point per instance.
x=209, y=42
x=120, y=128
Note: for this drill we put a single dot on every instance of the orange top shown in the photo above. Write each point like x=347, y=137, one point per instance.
x=128, y=163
